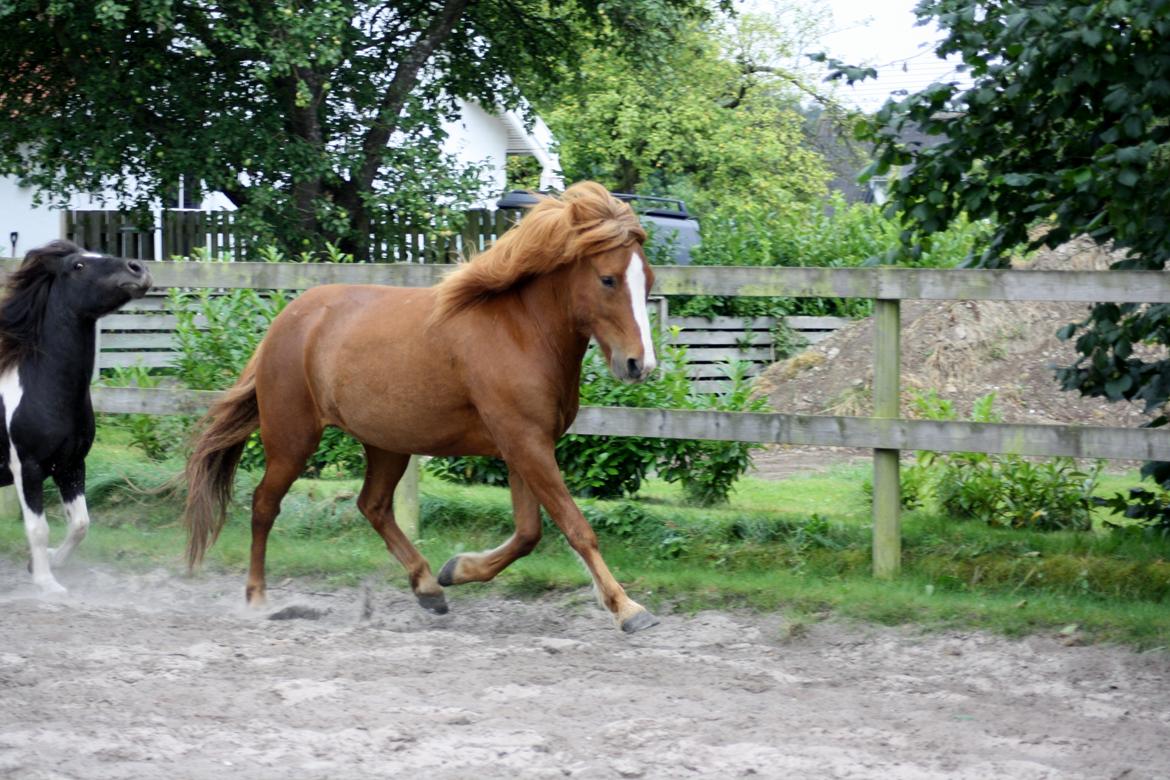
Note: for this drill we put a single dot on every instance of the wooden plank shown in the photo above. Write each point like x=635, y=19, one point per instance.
x=139, y=341
x=132, y=359
x=718, y=371
x=717, y=354
x=800, y=322
x=887, y=489
x=917, y=283
x=721, y=338
x=722, y=323
x=139, y=322
x=891, y=283
x=769, y=428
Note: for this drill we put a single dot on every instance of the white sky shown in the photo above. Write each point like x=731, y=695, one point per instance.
x=883, y=35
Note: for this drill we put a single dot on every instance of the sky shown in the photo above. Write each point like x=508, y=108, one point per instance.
x=883, y=35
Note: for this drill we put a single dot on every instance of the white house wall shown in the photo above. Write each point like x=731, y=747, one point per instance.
x=34, y=225
x=479, y=138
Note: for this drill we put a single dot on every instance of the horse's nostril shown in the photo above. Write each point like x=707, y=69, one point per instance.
x=633, y=368
x=135, y=267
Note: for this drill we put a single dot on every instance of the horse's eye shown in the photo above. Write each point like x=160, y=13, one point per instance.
x=608, y=281
x=78, y=265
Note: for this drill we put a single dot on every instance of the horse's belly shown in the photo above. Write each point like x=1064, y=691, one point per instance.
x=407, y=427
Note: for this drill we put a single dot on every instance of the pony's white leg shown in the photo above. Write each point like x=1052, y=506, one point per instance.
x=77, y=514
x=36, y=528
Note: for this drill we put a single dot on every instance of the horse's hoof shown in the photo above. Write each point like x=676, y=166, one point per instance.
x=447, y=573
x=639, y=621
x=431, y=602
x=51, y=587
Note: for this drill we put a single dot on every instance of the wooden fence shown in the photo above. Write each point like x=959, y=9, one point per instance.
x=885, y=432
x=217, y=233
x=142, y=333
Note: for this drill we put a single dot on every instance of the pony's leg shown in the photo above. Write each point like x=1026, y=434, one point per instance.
x=482, y=566
x=286, y=451
x=71, y=483
x=537, y=464
x=29, y=481
x=383, y=472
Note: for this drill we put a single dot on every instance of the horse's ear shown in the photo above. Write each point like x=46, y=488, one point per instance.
x=50, y=254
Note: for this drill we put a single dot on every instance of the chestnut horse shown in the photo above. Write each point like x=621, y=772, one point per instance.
x=487, y=362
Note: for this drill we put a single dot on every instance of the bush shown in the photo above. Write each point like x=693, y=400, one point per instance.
x=999, y=490
x=828, y=234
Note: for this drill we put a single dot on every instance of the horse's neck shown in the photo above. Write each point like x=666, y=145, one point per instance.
x=65, y=356
x=547, y=302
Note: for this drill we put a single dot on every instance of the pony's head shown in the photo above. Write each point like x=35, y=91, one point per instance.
x=597, y=240
x=63, y=275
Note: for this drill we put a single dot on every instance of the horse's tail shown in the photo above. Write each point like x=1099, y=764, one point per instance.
x=212, y=466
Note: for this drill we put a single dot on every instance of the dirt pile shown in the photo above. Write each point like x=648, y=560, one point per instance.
x=963, y=350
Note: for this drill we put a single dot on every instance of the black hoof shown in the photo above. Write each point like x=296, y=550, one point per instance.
x=638, y=622
x=447, y=573
x=436, y=604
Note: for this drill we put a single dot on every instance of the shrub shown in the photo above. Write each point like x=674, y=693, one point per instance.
x=829, y=234
x=1002, y=490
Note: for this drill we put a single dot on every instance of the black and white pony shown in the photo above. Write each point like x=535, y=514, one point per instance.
x=48, y=322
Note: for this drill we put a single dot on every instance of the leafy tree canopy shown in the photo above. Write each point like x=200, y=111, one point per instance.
x=714, y=119
x=318, y=119
x=1064, y=125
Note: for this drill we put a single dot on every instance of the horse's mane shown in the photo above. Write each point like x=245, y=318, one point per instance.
x=583, y=221
x=26, y=295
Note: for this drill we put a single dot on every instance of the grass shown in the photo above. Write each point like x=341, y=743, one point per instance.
x=800, y=545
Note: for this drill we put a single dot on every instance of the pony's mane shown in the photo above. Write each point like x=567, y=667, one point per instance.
x=26, y=295
x=585, y=220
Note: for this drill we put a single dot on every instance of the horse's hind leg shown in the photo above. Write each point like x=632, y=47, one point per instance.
x=286, y=450
x=71, y=483
x=483, y=566
x=383, y=472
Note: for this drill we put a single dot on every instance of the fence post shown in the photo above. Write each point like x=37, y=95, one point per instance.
x=887, y=489
x=406, y=506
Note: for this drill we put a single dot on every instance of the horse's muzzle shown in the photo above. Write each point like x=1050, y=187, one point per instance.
x=137, y=281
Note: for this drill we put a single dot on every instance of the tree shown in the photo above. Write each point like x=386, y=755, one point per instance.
x=318, y=119
x=714, y=118
x=1065, y=125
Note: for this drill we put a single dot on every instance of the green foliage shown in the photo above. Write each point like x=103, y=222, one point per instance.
x=1149, y=509
x=708, y=469
x=217, y=332
x=999, y=490
x=712, y=118
x=827, y=234
x=1064, y=125
x=156, y=436
x=320, y=121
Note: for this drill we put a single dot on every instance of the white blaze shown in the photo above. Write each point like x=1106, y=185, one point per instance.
x=636, y=282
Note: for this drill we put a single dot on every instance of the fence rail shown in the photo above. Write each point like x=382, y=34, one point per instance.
x=885, y=432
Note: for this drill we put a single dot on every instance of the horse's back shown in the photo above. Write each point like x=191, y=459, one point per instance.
x=364, y=358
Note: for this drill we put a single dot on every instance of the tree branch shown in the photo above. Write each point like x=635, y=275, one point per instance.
x=404, y=81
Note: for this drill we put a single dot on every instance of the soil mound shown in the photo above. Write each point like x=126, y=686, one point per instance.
x=962, y=350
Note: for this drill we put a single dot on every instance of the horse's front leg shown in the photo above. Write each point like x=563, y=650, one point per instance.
x=29, y=480
x=536, y=462
x=71, y=483
x=483, y=566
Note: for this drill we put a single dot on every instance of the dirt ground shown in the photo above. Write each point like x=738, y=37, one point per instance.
x=143, y=676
